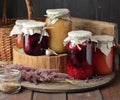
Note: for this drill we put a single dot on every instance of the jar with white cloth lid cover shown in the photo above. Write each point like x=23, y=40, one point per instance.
x=59, y=23
x=35, y=38
x=103, y=54
x=17, y=31
x=80, y=50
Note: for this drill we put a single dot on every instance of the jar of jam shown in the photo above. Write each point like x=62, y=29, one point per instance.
x=17, y=32
x=80, y=49
x=35, y=38
x=59, y=23
x=103, y=54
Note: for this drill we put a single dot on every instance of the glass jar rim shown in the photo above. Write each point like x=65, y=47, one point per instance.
x=4, y=72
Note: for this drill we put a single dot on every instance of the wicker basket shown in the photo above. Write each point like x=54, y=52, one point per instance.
x=6, y=25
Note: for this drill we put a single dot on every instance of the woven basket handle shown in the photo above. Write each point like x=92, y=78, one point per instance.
x=4, y=16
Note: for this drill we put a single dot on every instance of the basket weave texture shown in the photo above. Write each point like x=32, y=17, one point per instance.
x=6, y=25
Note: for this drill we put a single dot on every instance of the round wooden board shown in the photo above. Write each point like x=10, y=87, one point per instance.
x=78, y=86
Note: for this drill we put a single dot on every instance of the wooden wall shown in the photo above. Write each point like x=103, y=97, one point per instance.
x=105, y=10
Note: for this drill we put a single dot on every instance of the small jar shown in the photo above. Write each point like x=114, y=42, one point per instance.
x=59, y=24
x=10, y=80
x=17, y=31
x=79, y=49
x=35, y=38
x=103, y=54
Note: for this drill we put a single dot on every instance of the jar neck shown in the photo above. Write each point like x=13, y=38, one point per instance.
x=53, y=18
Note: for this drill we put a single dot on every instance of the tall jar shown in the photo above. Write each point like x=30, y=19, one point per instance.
x=103, y=54
x=59, y=23
x=17, y=32
x=80, y=49
x=35, y=38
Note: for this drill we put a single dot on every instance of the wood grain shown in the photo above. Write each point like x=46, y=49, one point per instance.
x=77, y=86
x=24, y=95
x=48, y=96
x=112, y=92
x=91, y=95
x=48, y=62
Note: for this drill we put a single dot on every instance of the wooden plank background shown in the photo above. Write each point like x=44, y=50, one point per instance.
x=105, y=10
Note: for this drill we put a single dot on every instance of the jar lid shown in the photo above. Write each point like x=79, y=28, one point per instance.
x=79, y=34
x=20, y=22
x=103, y=38
x=104, y=43
x=33, y=24
x=33, y=27
x=17, y=29
x=61, y=11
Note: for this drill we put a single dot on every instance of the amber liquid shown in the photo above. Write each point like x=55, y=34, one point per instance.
x=57, y=33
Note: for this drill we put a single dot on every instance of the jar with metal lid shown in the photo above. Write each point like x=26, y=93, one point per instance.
x=103, y=54
x=59, y=23
x=80, y=49
x=35, y=38
x=17, y=31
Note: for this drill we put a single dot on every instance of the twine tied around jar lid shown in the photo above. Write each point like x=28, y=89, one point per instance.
x=78, y=37
x=34, y=27
x=104, y=43
x=55, y=14
x=17, y=29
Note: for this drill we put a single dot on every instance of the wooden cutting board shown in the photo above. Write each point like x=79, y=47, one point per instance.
x=75, y=86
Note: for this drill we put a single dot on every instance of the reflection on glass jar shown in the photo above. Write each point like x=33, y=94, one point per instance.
x=35, y=44
x=80, y=49
x=17, y=31
x=60, y=24
x=10, y=80
x=103, y=54
x=35, y=38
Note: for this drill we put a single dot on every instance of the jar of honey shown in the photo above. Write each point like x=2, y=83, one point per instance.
x=35, y=38
x=59, y=24
x=17, y=32
x=80, y=49
x=103, y=54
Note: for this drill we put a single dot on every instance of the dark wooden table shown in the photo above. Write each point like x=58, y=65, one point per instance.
x=109, y=92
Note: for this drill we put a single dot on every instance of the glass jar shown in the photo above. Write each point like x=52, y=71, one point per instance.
x=35, y=38
x=59, y=23
x=10, y=80
x=17, y=31
x=79, y=49
x=103, y=54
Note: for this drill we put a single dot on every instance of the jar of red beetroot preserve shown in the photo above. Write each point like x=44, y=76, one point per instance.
x=35, y=38
x=79, y=49
x=17, y=32
x=103, y=54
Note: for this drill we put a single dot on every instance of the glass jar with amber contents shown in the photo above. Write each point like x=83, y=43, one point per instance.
x=103, y=54
x=79, y=49
x=59, y=23
x=35, y=38
x=17, y=32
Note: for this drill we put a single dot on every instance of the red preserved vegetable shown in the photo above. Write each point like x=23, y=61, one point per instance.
x=103, y=55
x=35, y=38
x=80, y=48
